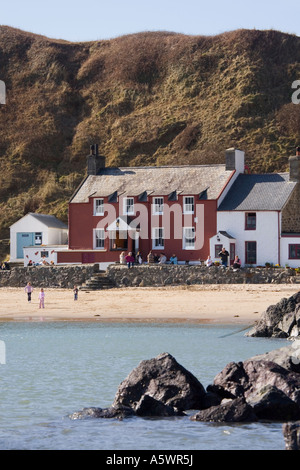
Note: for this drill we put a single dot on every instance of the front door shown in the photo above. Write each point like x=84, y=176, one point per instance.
x=24, y=239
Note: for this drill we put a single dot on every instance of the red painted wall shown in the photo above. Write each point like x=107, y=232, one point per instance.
x=82, y=222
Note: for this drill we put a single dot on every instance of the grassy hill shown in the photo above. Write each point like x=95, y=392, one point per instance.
x=146, y=99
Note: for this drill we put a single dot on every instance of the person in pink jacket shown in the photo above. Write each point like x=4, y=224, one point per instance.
x=42, y=298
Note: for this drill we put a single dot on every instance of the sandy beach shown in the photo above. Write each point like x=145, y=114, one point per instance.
x=240, y=304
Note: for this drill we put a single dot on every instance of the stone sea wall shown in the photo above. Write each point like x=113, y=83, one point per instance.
x=166, y=275
x=47, y=276
x=144, y=276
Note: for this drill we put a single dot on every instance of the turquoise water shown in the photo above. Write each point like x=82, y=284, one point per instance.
x=53, y=369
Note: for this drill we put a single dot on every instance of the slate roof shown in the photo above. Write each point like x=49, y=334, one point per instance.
x=207, y=181
x=252, y=192
x=49, y=220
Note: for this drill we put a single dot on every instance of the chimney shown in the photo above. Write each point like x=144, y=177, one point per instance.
x=235, y=160
x=294, y=162
x=95, y=162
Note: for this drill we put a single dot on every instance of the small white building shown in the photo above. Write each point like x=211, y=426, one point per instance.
x=39, y=234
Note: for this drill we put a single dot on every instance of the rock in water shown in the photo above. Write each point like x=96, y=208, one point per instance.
x=163, y=379
x=229, y=411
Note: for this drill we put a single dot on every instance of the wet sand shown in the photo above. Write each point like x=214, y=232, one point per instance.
x=240, y=304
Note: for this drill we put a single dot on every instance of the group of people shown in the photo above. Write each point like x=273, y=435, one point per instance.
x=224, y=255
x=42, y=262
x=130, y=259
x=41, y=297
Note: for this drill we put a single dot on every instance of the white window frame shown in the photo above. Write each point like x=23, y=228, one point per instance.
x=97, y=232
x=188, y=207
x=158, y=233
x=96, y=206
x=157, y=207
x=125, y=206
x=186, y=235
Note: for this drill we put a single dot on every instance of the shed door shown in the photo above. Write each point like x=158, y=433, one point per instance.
x=24, y=239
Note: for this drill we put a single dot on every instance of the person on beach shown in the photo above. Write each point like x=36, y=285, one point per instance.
x=75, y=290
x=162, y=259
x=209, y=262
x=129, y=260
x=29, y=290
x=122, y=258
x=42, y=298
x=174, y=259
x=150, y=258
x=236, y=263
x=223, y=254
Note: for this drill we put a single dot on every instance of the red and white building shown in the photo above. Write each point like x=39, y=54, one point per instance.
x=169, y=209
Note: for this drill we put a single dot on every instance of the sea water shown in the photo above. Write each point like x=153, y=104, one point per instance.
x=53, y=369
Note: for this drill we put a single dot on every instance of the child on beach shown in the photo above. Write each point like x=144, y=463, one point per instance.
x=29, y=290
x=42, y=298
x=75, y=290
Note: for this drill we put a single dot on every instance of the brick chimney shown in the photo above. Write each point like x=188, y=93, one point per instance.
x=294, y=162
x=235, y=160
x=95, y=162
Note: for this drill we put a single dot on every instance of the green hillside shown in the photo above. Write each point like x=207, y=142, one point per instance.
x=146, y=99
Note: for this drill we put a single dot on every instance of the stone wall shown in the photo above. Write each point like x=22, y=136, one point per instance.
x=47, y=276
x=144, y=276
x=166, y=275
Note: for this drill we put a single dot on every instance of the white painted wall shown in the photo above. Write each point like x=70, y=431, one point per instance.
x=284, y=250
x=266, y=234
x=34, y=253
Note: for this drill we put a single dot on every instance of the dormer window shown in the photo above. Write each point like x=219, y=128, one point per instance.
x=98, y=206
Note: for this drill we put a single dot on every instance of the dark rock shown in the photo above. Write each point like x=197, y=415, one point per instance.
x=229, y=411
x=291, y=433
x=120, y=413
x=270, y=403
x=280, y=320
x=163, y=379
x=246, y=378
x=149, y=406
x=287, y=357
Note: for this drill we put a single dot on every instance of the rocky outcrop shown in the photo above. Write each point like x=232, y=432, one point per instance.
x=163, y=379
x=291, y=433
x=281, y=320
x=242, y=392
x=287, y=357
x=229, y=411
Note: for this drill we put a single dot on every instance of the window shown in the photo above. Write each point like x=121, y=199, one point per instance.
x=250, y=221
x=98, y=206
x=218, y=248
x=250, y=252
x=38, y=238
x=158, y=241
x=44, y=254
x=129, y=206
x=189, y=238
x=294, y=251
x=158, y=205
x=188, y=205
x=99, y=238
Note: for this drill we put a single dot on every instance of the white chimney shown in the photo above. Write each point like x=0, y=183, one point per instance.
x=235, y=160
